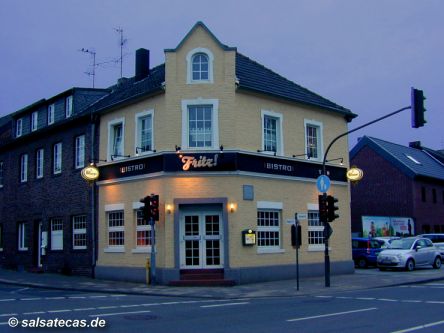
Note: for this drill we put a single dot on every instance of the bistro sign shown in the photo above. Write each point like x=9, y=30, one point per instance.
x=202, y=162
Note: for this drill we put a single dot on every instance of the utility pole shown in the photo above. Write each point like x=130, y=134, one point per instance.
x=121, y=44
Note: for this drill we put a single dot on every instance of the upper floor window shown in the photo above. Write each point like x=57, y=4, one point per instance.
x=313, y=139
x=80, y=152
x=19, y=127
x=272, y=137
x=115, y=139
x=51, y=114
x=24, y=168
x=200, y=125
x=39, y=158
x=57, y=158
x=1, y=174
x=200, y=66
x=68, y=106
x=34, y=120
x=144, y=132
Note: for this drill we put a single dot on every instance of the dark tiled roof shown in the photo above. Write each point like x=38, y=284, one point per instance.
x=253, y=76
x=413, y=162
x=129, y=90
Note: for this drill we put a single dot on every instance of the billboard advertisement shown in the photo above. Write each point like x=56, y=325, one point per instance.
x=384, y=226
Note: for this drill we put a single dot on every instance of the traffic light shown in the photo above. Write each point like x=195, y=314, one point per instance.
x=146, y=210
x=332, y=208
x=418, y=109
x=322, y=208
x=296, y=236
x=154, y=207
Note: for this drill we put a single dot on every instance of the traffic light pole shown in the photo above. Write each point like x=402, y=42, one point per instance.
x=324, y=172
x=153, y=252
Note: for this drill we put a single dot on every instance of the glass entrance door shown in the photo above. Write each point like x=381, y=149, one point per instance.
x=201, y=240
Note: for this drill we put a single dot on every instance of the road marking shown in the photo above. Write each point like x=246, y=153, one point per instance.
x=324, y=296
x=387, y=300
x=331, y=314
x=107, y=307
x=129, y=306
x=32, y=313
x=420, y=327
x=30, y=299
x=77, y=297
x=8, y=314
x=434, y=302
x=225, y=304
x=59, y=297
x=344, y=297
x=117, y=313
x=98, y=296
x=84, y=309
x=7, y=299
x=411, y=301
x=57, y=311
x=366, y=298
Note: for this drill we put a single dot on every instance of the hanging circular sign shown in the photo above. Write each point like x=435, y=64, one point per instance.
x=90, y=173
x=354, y=174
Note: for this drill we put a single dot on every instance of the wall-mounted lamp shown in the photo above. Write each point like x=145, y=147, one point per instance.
x=169, y=208
x=341, y=159
x=114, y=156
x=232, y=207
x=93, y=161
x=306, y=154
x=221, y=149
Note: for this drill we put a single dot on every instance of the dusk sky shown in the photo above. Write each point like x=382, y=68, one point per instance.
x=364, y=55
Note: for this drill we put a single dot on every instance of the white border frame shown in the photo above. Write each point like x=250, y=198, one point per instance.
x=279, y=135
x=214, y=122
x=149, y=112
x=189, y=58
x=320, y=125
x=112, y=123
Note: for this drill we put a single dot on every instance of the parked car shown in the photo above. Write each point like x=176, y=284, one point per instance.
x=409, y=253
x=365, y=251
x=437, y=240
x=387, y=240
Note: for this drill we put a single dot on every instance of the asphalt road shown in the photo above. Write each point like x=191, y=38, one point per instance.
x=418, y=308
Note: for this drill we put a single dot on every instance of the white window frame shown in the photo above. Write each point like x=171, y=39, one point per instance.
x=24, y=168
x=34, y=121
x=117, y=229
x=56, y=225
x=22, y=246
x=138, y=135
x=39, y=162
x=318, y=228
x=57, y=158
x=111, y=126
x=320, y=138
x=79, y=149
x=189, y=59
x=79, y=226
x=279, y=131
x=19, y=127
x=51, y=114
x=275, y=207
x=68, y=106
x=186, y=103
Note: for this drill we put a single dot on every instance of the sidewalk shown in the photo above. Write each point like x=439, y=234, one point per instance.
x=361, y=279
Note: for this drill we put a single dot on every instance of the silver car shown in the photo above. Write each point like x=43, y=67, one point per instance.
x=409, y=253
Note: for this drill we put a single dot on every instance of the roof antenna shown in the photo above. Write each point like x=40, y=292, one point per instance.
x=93, y=72
x=122, y=42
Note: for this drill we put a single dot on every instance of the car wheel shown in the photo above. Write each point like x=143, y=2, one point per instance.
x=362, y=263
x=437, y=263
x=410, y=265
x=382, y=268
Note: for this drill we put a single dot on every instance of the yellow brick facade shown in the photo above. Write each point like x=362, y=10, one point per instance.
x=239, y=129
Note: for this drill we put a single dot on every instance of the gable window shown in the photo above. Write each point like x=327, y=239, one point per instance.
x=79, y=232
x=200, y=124
x=34, y=120
x=79, y=152
x=22, y=237
x=1, y=175
x=68, y=106
x=51, y=114
x=272, y=137
x=56, y=234
x=200, y=66
x=39, y=163
x=19, y=127
x=313, y=139
x=24, y=168
x=144, y=132
x=115, y=139
x=57, y=158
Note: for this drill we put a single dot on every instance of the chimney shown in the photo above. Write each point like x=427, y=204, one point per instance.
x=142, y=64
x=415, y=144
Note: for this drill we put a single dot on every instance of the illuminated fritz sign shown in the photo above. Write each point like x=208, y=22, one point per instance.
x=355, y=174
x=202, y=162
x=90, y=173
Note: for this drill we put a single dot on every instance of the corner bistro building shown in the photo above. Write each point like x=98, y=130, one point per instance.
x=213, y=133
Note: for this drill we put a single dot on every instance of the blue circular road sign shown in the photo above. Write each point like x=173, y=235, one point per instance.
x=323, y=183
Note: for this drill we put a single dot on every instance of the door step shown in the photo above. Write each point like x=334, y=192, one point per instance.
x=201, y=278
